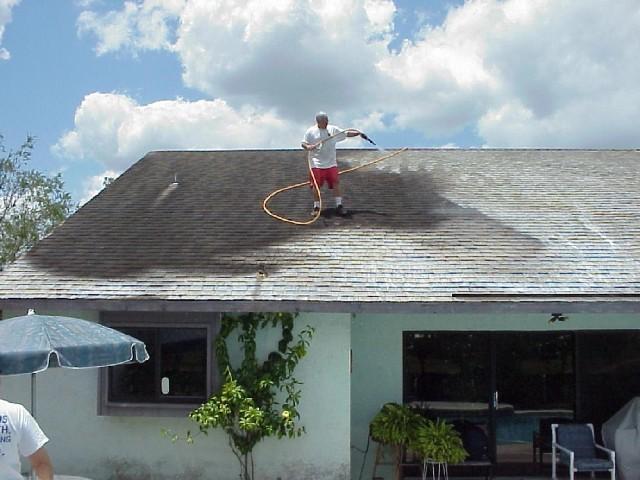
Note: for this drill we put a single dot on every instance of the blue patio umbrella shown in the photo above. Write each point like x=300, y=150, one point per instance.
x=33, y=343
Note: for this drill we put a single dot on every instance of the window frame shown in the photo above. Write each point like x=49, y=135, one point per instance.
x=145, y=319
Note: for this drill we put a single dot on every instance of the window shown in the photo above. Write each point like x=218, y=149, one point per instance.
x=180, y=373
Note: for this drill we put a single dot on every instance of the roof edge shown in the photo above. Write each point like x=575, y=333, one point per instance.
x=600, y=305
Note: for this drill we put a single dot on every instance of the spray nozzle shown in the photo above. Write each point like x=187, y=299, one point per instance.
x=367, y=138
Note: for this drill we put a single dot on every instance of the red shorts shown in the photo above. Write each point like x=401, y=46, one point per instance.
x=330, y=175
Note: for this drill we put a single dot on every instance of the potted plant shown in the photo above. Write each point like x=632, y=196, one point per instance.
x=438, y=444
x=397, y=426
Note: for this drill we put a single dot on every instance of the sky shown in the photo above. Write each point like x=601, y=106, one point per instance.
x=100, y=83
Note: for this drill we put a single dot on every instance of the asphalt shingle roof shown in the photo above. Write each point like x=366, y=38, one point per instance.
x=426, y=225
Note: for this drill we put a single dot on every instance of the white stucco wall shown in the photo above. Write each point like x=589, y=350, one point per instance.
x=132, y=448
x=336, y=407
x=377, y=359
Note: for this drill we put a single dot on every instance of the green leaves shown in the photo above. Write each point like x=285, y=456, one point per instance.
x=396, y=424
x=31, y=203
x=439, y=442
x=402, y=427
x=247, y=406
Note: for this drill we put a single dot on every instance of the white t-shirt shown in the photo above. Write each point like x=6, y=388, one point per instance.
x=19, y=435
x=325, y=157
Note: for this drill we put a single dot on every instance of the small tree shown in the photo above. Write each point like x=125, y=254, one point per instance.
x=31, y=203
x=247, y=408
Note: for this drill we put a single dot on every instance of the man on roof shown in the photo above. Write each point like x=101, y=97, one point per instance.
x=322, y=153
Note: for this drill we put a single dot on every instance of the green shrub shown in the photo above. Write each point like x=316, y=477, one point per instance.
x=438, y=442
x=396, y=424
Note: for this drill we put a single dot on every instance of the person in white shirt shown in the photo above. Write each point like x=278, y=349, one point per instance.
x=20, y=434
x=323, y=157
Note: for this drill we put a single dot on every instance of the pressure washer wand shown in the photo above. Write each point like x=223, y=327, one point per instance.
x=363, y=135
x=367, y=138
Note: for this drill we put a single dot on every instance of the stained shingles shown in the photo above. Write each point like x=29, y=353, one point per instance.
x=425, y=225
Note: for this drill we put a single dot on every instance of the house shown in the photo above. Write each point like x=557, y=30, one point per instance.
x=500, y=287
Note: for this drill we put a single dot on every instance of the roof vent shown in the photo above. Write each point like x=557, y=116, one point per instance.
x=262, y=273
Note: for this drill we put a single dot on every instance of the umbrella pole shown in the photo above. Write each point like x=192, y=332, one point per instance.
x=32, y=474
x=33, y=395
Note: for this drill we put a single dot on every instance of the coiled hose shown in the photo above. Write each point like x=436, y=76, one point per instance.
x=315, y=185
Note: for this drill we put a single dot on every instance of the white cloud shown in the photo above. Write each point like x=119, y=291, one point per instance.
x=295, y=56
x=609, y=121
x=536, y=73
x=88, y=3
x=372, y=122
x=94, y=185
x=138, y=26
x=115, y=130
x=569, y=77
x=533, y=73
x=380, y=14
x=5, y=18
x=439, y=82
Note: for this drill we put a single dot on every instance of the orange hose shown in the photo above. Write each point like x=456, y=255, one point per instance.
x=315, y=184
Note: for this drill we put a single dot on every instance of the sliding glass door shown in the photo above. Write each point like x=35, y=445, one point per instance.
x=498, y=389
x=535, y=382
x=448, y=375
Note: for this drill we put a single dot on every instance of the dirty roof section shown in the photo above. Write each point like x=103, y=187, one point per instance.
x=426, y=225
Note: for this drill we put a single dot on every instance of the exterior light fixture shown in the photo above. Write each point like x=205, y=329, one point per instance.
x=558, y=317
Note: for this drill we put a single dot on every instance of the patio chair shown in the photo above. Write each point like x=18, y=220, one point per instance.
x=541, y=441
x=574, y=445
